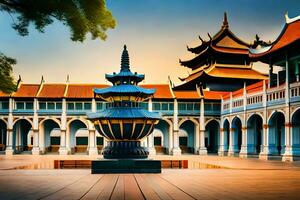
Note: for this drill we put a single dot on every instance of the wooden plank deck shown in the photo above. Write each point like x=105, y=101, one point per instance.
x=171, y=184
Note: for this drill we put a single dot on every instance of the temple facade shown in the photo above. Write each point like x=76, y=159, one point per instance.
x=223, y=107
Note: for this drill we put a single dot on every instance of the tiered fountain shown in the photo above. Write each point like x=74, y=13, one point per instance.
x=124, y=123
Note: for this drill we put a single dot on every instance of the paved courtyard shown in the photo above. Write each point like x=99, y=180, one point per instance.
x=208, y=177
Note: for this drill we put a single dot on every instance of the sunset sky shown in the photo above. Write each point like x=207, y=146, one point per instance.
x=156, y=33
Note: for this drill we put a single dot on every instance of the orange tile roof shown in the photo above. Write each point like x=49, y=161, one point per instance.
x=2, y=94
x=230, y=50
x=186, y=94
x=82, y=90
x=289, y=34
x=52, y=91
x=27, y=90
x=239, y=73
x=214, y=95
x=162, y=90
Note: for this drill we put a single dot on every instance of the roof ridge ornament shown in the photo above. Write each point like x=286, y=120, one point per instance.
x=225, y=21
x=289, y=20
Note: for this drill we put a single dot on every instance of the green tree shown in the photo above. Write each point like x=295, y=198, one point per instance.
x=81, y=16
x=7, y=83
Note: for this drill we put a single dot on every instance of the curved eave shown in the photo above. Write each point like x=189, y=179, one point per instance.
x=124, y=113
x=200, y=48
x=202, y=58
x=290, y=34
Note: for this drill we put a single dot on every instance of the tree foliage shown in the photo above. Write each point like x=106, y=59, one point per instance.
x=7, y=83
x=81, y=16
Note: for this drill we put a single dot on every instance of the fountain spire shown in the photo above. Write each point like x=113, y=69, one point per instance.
x=125, y=65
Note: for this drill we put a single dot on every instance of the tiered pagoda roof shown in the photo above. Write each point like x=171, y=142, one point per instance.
x=223, y=56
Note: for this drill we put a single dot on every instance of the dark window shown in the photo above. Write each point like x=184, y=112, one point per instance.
x=171, y=106
x=99, y=106
x=55, y=140
x=5, y=105
x=100, y=141
x=58, y=106
x=156, y=106
x=190, y=106
x=51, y=106
x=42, y=105
x=81, y=140
x=183, y=141
x=157, y=141
x=29, y=105
x=78, y=106
x=164, y=106
x=181, y=106
x=87, y=106
x=197, y=106
x=70, y=106
x=20, y=105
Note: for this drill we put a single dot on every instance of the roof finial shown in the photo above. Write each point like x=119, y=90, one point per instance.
x=125, y=60
x=287, y=19
x=68, y=78
x=42, y=80
x=225, y=21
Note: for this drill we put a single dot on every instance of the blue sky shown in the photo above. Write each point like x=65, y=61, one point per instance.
x=155, y=31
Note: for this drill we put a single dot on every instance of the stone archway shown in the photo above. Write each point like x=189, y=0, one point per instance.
x=277, y=133
x=161, y=137
x=21, y=129
x=235, y=142
x=3, y=135
x=212, y=132
x=186, y=136
x=254, y=134
x=296, y=131
x=79, y=136
x=50, y=135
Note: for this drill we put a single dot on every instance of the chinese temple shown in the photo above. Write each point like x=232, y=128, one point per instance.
x=220, y=63
x=223, y=107
x=124, y=123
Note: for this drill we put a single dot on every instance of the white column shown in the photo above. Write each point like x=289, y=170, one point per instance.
x=176, y=150
x=202, y=149
x=287, y=82
x=10, y=149
x=231, y=148
x=265, y=152
x=221, y=150
x=150, y=139
x=92, y=149
x=244, y=146
x=63, y=149
x=36, y=149
x=94, y=105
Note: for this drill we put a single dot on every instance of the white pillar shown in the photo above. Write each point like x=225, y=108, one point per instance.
x=94, y=105
x=176, y=150
x=63, y=149
x=36, y=149
x=150, y=139
x=287, y=82
x=265, y=152
x=202, y=149
x=222, y=150
x=92, y=149
x=244, y=148
x=10, y=149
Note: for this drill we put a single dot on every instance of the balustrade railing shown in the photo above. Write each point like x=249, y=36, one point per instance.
x=255, y=100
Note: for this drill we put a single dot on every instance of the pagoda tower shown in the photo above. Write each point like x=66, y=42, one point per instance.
x=220, y=64
x=123, y=122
